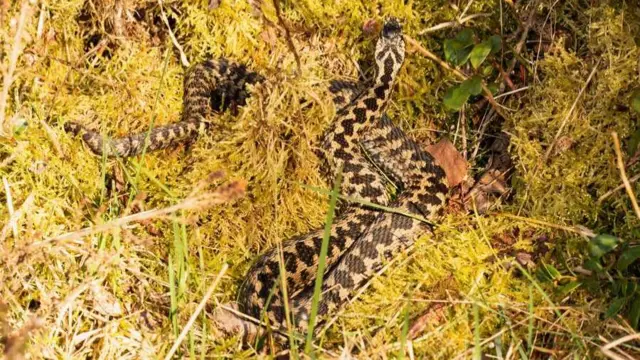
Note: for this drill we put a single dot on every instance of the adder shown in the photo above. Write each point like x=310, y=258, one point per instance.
x=363, y=144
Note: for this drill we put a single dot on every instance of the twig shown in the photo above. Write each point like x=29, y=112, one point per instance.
x=448, y=24
x=466, y=8
x=521, y=42
x=197, y=312
x=620, y=187
x=13, y=59
x=222, y=195
x=426, y=53
x=606, y=349
x=292, y=48
x=183, y=57
x=623, y=174
x=566, y=118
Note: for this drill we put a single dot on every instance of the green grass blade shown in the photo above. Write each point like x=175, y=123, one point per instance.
x=321, y=262
x=477, y=347
x=404, y=332
x=155, y=114
x=531, y=317
x=370, y=204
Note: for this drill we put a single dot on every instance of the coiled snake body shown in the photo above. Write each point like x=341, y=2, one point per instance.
x=366, y=147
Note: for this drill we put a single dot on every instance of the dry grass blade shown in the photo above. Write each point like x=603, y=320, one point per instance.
x=197, y=312
x=11, y=224
x=287, y=34
x=223, y=194
x=457, y=22
x=618, y=188
x=183, y=57
x=25, y=11
x=608, y=349
x=571, y=110
x=623, y=174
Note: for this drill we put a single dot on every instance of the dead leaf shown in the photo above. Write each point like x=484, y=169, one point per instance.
x=563, y=144
x=433, y=316
x=492, y=182
x=453, y=163
x=371, y=27
x=214, y=4
x=269, y=36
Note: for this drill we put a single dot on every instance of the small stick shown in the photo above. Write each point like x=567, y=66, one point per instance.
x=197, y=312
x=223, y=194
x=623, y=174
x=573, y=107
x=183, y=57
x=620, y=187
x=606, y=349
x=292, y=47
x=449, y=24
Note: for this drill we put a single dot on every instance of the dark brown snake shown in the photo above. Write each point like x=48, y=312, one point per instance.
x=364, y=145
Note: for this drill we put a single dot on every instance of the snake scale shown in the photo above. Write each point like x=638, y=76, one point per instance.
x=363, y=144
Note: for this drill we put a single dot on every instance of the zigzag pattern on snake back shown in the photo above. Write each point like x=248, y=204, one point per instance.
x=361, y=238
x=361, y=142
x=210, y=86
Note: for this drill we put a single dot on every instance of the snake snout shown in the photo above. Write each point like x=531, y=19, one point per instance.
x=392, y=28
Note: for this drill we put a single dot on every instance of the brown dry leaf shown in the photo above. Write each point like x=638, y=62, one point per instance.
x=371, y=27
x=269, y=36
x=563, y=144
x=433, y=316
x=491, y=183
x=453, y=163
x=214, y=4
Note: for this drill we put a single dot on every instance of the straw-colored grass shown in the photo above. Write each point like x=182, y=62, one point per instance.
x=89, y=272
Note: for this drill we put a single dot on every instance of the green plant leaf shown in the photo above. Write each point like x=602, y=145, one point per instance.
x=457, y=50
x=635, y=100
x=615, y=307
x=634, y=312
x=496, y=44
x=547, y=273
x=628, y=256
x=602, y=244
x=465, y=37
x=455, y=97
x=493, y=88
x=631, y=288
x=593, y=265
x=487, y=70
x=633, y=142
x=480, y=53
x=568, y=288
x=472, y=85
